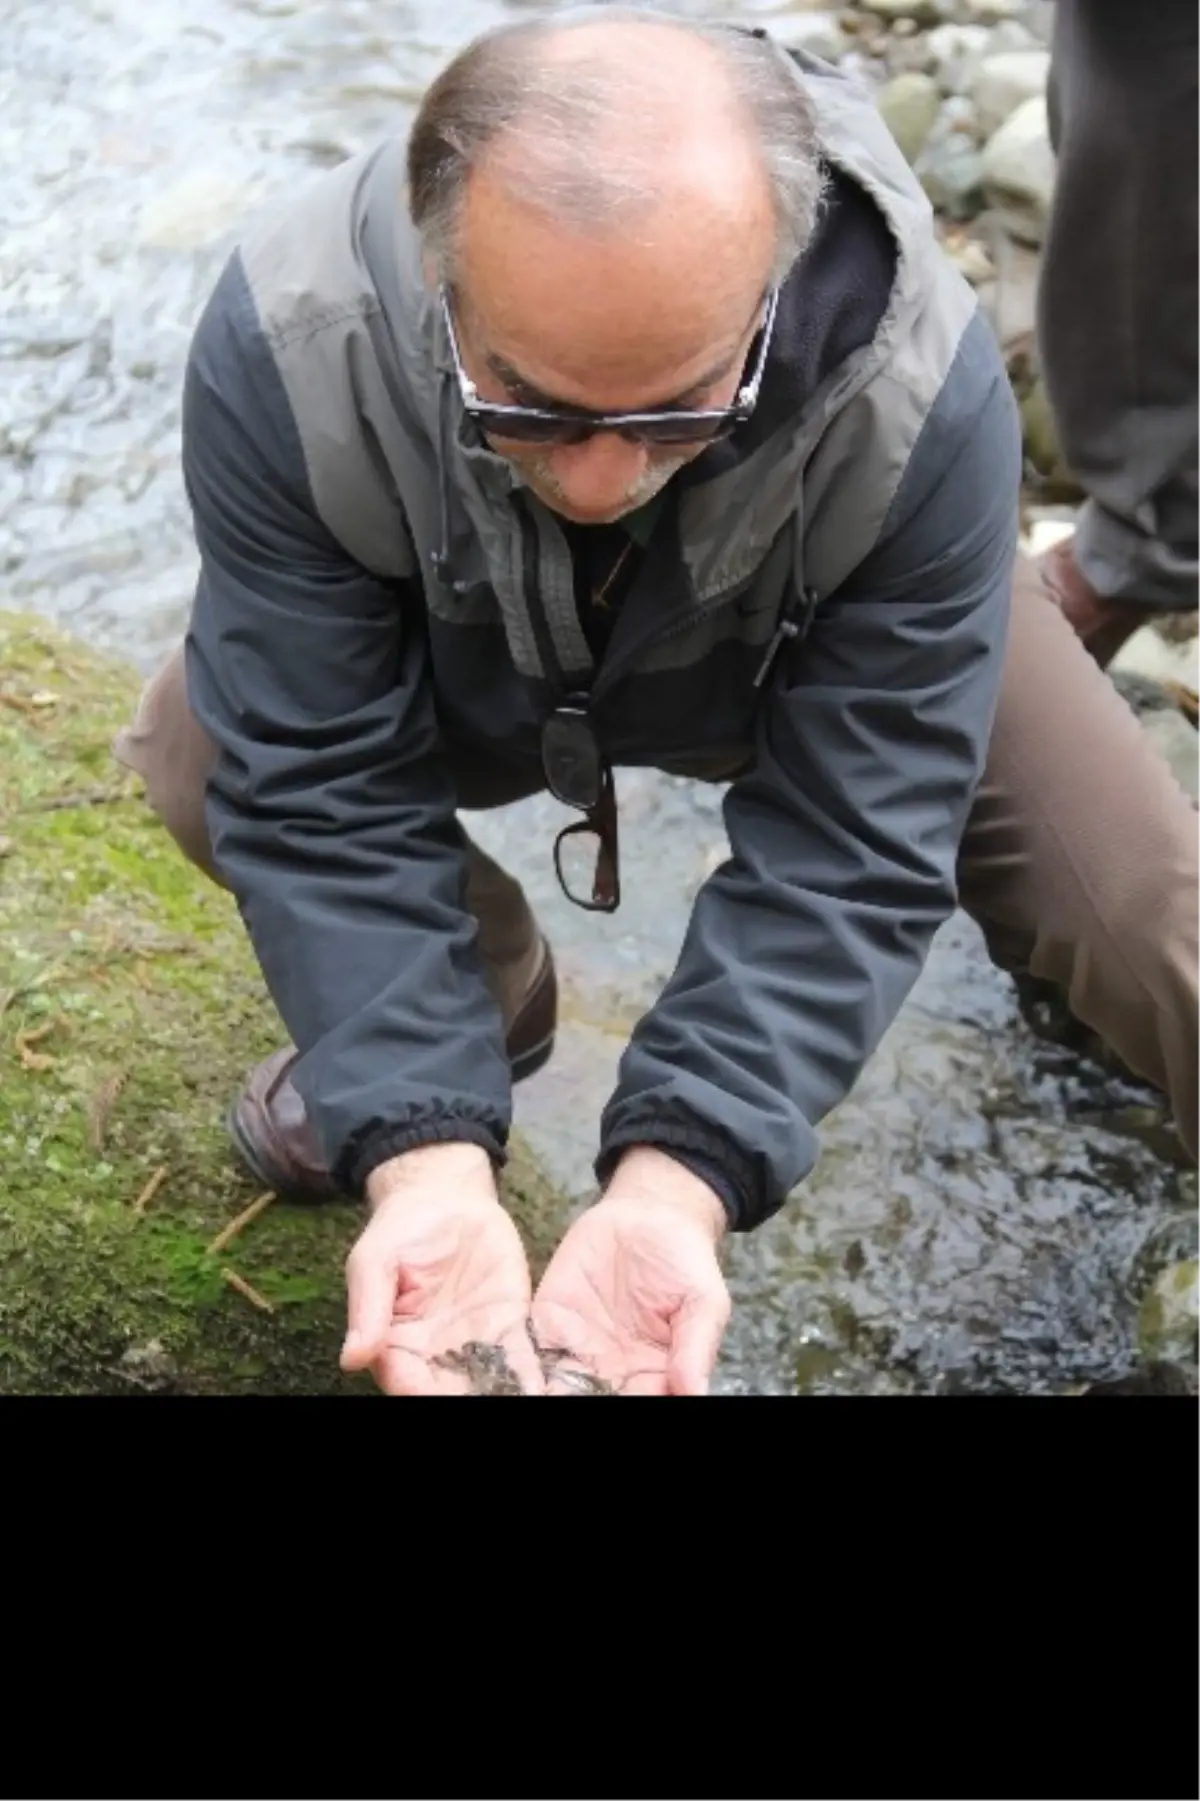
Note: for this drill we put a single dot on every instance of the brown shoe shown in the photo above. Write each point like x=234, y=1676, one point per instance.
x=270, y=1128
x=1102, y=626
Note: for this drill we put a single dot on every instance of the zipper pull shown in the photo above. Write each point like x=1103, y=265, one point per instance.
x=788, y=628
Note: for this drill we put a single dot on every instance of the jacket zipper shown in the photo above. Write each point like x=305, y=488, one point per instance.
x=794, y=623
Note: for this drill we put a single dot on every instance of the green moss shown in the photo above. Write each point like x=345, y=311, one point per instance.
x=137, y=975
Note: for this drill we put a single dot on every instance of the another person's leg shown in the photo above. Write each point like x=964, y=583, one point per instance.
x=1080, y=857
x=170, y=751
x=1117, y=310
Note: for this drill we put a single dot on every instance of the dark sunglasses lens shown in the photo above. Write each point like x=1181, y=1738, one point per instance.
x=530, y=428
x=571, y=759
x=687, y=428
x=546, y=428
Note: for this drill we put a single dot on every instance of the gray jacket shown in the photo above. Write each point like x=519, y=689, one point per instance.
x=379, y=594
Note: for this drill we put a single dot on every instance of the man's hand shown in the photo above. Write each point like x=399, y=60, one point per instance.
x=635, y=1292
x=440, y=1266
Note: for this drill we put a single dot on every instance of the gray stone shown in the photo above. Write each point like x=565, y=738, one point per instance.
x=908, y=55
x=910, y=105
x=816, y=32
x=950, y=167
x=1175, y=741
x=1003, y=83
x=924, y=12
x=970, y=259
x=951, y=172
x=1018, y=172
x=1010, y=34
x=956, y=53
x=989, y=12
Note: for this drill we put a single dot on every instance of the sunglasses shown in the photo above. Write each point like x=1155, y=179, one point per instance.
x=578, y=776
x=575, y=425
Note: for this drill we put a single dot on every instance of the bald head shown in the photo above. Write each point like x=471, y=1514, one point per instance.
x=609, y=119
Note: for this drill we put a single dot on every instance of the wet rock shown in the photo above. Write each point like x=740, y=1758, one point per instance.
x=1149, y=653
x=908, y=53
x=950, y=166
x=1170, y=1314
x=1003, y=83
x=819, y=33
x=1010, y=34
x=1149, y=1379
x=1039, y=432
x=922, y=12
x=910, y=105
x=1011, y=300
x=1018, y=172
x=990, y=12
x=1174, y=1240
x=969, y=258
x=956, y=53
x=1175, y=739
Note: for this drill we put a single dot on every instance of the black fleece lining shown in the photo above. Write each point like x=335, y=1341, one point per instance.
x=830, y=306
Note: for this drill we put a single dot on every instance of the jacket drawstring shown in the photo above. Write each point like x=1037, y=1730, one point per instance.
x=441, y=557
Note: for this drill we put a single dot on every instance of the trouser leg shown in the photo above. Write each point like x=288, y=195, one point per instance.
x=1079, y=860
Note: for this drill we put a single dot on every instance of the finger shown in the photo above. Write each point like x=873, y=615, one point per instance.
x=699, y=1327
x=402, y=1371
x=371, y=1281
x=523, y=1360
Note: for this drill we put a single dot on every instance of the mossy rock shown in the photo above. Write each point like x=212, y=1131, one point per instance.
x=130, y=1007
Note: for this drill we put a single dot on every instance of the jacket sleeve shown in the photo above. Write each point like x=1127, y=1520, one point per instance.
x=330, y=808
x=803, y=945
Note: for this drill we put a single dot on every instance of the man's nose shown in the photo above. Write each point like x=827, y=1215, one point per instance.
x=595, y=476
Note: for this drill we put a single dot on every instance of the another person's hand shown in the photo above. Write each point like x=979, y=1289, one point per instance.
x=635, y=1292
x=439, y=1266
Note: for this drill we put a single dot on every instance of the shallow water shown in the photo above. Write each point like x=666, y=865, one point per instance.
x=982, y=1218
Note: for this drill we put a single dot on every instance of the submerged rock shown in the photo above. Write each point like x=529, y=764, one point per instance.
x=1170, y=1315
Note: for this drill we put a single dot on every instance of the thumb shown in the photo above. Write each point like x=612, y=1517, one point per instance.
x=699, y=1327
x=370, y=1304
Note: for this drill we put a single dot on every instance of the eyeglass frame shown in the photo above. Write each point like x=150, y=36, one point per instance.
x=596, y=799
x=723, y=420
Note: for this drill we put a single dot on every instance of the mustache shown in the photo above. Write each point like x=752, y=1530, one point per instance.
x=652, y=480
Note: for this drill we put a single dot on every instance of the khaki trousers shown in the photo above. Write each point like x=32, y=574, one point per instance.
x=1079, y=861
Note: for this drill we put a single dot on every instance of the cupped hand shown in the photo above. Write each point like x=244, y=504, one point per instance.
x=635, y=1293
x=438, y=1268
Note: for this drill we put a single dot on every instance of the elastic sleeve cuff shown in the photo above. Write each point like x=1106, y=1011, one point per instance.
x=706, y=1151
x=377, y=1143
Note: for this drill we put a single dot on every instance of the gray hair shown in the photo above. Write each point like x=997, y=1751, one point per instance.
x=500, y=84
